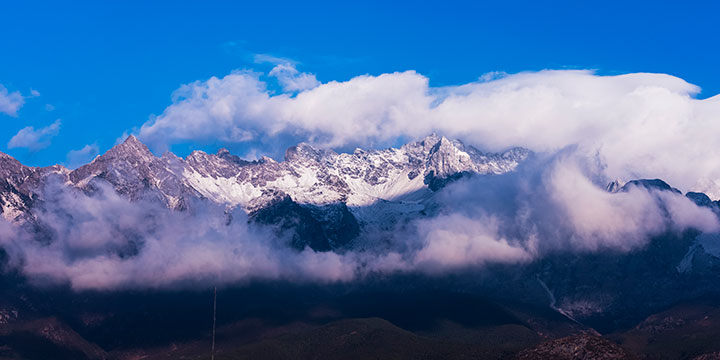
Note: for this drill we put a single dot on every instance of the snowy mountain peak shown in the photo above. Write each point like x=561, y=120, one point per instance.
x=266, y=159
x=196, y=154
x=429, y=141
x=225, y=154
x=311, y=175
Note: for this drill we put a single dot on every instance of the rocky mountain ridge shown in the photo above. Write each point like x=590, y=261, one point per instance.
x=319, y=186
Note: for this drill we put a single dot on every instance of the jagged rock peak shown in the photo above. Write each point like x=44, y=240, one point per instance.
x=133, y=141
x=516, y=153
x=432, y=139
x=429, y=142
x=306, y=151
x=614, y=186
x=9, y=166
x=700, y=199
x=196, y=154
x=267, y=159
x=225, y=154
x=170, y=156
x=434, y=143
x=5, y=156
x=445, y=145
x=132, y=148
x=650, y=184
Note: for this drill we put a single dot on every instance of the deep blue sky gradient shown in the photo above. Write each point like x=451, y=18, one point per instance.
x=106, y=67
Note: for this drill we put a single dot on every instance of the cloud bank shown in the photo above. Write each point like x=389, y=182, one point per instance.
x=552, y=204
x=640, y=125
x=104, y=241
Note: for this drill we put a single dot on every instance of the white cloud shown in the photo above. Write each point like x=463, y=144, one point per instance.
x=457, y=241
x=275, y=60
x=292, y=80
x=641, y=125
x=10, y=102
x=550, y=205
x=169, y=248
x=285, y=71
x=77, y=158
x=34, y=140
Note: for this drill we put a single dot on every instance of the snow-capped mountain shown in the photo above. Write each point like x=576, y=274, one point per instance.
x=324, y=200
x=320, y=186
x=314, y=176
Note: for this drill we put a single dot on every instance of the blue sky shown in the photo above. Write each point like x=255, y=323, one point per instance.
x=103, y=69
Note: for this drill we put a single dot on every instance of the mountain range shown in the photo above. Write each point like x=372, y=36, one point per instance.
x=330, y=192
x=641, y=303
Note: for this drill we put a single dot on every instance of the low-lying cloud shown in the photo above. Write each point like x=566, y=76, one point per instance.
x=10, y=102
x=551, y=204
x=105, y=241
x=558, y=203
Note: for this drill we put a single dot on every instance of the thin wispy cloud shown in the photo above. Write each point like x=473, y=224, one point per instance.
x=35, y=139
x=10, y=102
x=77, y=158
x=272, y=59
